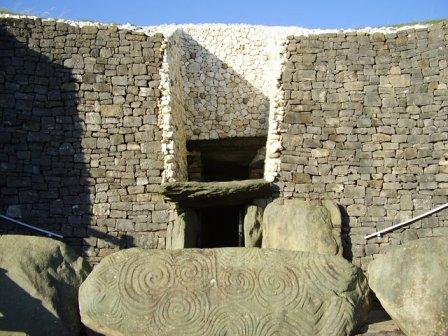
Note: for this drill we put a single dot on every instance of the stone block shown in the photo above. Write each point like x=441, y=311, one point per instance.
x=294, y=224
x=111, y=111
x=230, y=291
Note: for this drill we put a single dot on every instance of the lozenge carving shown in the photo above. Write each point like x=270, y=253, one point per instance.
x=230, y=291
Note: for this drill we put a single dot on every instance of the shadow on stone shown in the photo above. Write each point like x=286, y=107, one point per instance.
x=44, y=178
x=28, y=312
x=345, y=234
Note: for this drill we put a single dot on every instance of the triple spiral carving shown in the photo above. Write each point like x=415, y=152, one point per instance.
x=216, y=293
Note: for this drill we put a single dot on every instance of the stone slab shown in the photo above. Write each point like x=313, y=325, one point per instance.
x=228, y=291
x=299, y=225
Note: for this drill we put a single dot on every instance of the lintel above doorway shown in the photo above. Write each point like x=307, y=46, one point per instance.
x=206, y=194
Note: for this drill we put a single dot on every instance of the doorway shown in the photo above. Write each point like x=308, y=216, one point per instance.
x=229, y=159
x=220, y=226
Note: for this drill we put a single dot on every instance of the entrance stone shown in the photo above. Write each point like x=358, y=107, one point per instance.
x=228, y=291
x=298, y=225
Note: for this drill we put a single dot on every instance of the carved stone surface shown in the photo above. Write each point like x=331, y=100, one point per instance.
x=298, y=225
x=229, y=291
x=253, y=219
x=411, y=282
x=205, y=194
x=39, y=280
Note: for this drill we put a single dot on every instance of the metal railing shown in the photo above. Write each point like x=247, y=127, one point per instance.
x=15, y=221
x=409, y=221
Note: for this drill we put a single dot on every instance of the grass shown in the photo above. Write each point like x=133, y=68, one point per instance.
x=426, y=22
x=6, y=11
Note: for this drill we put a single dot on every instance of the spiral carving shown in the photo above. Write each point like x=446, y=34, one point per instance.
x=144, y=279
x=278, y=286
x=225, y=320
x=272, y=325
x=237, y=283
x=184, y=312
x=220, y=293
x=195, y=269
x=246, y=256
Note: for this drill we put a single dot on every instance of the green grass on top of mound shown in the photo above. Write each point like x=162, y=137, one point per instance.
x=425, y=22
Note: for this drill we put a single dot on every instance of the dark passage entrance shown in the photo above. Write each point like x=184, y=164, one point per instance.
x=220, y=227
x=226, y=159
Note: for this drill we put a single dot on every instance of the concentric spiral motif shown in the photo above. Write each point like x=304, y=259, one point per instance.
x=220, y=293
x=237, y=283
x=143, y=279
x=324, y=275
x=246, y=256
x=195, y=269
x=228, y=320
x=278, y=286
x=271, y=325
x=181, y=311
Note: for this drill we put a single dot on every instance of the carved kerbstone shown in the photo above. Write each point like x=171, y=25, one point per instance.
x=298, y=225
x=229, y=291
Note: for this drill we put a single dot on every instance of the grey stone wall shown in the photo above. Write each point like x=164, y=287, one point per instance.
x=93, y=118
x=366, y=124
x=80, y=149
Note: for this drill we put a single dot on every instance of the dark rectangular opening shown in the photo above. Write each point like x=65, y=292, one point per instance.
x=226, y=159
x=220, y=227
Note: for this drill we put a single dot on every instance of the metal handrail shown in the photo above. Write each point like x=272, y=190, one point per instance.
x=48, y=233
x=393, y=227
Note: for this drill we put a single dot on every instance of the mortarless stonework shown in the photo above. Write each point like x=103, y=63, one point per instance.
x=227, y=291
x=366, y=124
x=95, y=117
x=80, y=145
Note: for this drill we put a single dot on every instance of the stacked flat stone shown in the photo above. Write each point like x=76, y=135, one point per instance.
x=80, y=148
x=366, y=123
x=95, y=117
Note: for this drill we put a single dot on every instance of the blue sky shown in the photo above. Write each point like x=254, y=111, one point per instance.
x=309, y=13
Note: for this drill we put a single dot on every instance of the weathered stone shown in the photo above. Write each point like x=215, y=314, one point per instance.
x=203, y=194
x=39, y=281
x=253, y=219
x=184, y=232
x=111, y=111
x=419, y=99
x=411, y=282
x=294, y=224
x=229, y=291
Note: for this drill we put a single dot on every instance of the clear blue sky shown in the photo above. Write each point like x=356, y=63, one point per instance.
x=305, y=13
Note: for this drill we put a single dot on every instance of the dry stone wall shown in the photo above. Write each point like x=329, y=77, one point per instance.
x=80, y=146
x=366, y=124
x=95, y=117
x=228, y=72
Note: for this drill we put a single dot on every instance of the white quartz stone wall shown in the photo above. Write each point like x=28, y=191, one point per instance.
x=172, y=112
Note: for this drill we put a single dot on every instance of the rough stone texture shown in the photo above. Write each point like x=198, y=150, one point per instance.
x=231, y=291
x=253, y=219
x=365, y=123
x=204, y=194
x=39, y=281
x=95, y=117
x=411, y=282
x=183, y=232
x=80, y=147
x=298, y=225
